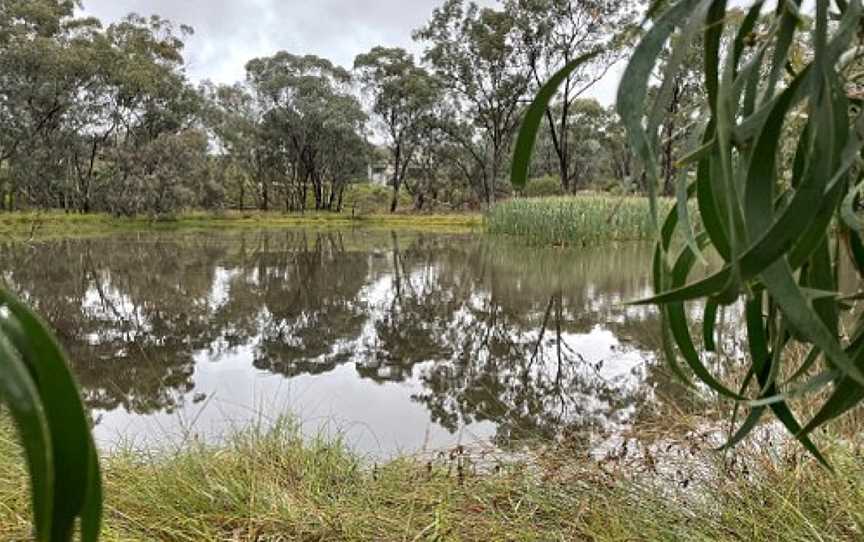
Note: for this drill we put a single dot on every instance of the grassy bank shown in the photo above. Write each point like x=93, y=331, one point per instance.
x=24, y=225
x=580, y=220
x=573, y=220
x=364, y=205
x=272, y=486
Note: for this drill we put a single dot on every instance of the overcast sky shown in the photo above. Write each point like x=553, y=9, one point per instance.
x=228, y=33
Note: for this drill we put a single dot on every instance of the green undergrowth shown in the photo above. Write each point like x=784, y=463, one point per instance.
x=574, y=220
x=274, y=486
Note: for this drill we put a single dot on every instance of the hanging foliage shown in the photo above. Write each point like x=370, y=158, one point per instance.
x=775, y=178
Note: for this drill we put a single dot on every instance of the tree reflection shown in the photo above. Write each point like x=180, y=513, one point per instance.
x=487, y=330
x=310, y=298
x=131, y=315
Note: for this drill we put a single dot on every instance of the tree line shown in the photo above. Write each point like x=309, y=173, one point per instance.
x=103, y=118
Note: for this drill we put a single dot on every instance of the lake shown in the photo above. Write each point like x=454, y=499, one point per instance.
x=397, y=342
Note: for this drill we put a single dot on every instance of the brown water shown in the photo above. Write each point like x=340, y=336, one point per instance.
x=396, y=341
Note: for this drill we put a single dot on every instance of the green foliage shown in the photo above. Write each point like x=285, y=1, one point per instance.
x=554, y=33
x=404, y=96
x=310, y=128
x=149, y=185
x=579, y=220
x=474, y=53
x=85, y=107
x=770, y=220
x=596, y=148
x=534, y=117
x=44, y=402
x=366, y=198
x=543, y=187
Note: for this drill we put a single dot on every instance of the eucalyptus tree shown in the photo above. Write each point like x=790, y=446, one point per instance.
x=435, y=179
x=403, y=96
x=587, y=145
x=622, y=162
x=682, y=97
x=163, y=176
x=553, y=33
x=44, y=63
x=305, y=100
x=154, y=108
x=474, y=52
x=234, y=124
x=78, y=102
x=457, y=155
x=345, y=150
x=137, y=94
x=91, y=123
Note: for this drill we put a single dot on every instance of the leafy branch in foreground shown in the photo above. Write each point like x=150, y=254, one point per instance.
x=774, y=176
x=44, y=403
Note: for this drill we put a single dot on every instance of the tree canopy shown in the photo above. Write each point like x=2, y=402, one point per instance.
x=104, y=118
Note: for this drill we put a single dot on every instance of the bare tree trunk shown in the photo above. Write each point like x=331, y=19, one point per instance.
x=341, y=198
x=334, y=194
x=242, y=194
x=397, y=176
x=496, y=167
x=559, y=132
x=4, y=188
x=669, y=169
x=317, y=186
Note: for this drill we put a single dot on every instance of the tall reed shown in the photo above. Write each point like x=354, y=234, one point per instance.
x=574, y=220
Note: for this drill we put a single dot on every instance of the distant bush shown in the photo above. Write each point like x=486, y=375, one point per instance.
x=368, y=198
x=544, y=187
x=618, y=187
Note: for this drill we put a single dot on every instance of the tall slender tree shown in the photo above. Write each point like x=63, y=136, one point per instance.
x=403, y=96
x=473, y=51
x=554, y=33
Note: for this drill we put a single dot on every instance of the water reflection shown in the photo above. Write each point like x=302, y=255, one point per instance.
x=420, y=339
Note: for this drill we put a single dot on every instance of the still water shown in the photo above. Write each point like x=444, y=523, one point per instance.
x=398, y=342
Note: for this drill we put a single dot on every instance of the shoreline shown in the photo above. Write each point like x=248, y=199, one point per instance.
x=275, y=485
x=19, y=226
x=577, y=221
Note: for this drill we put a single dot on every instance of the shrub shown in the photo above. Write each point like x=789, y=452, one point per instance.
x=544, y=187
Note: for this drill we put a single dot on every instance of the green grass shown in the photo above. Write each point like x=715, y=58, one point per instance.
x=579, y=220
x=363, y=201
x=46, y=224
x=364, y=205
x=271, y=485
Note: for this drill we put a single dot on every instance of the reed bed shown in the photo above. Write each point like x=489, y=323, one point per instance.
x=574, y=220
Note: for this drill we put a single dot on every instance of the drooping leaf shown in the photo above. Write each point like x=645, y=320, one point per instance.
x=75, y=479
x=534, y=118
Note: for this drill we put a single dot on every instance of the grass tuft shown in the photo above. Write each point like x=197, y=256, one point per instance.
x=274, y=485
